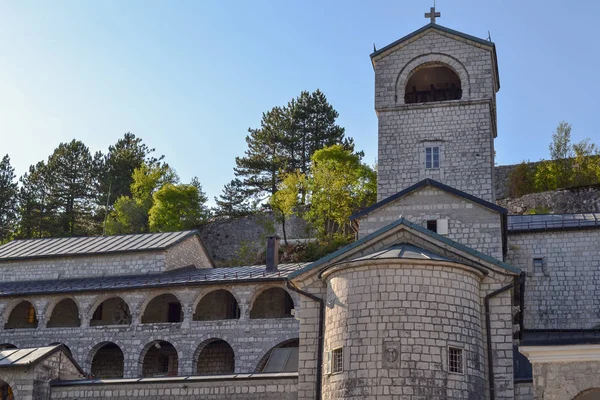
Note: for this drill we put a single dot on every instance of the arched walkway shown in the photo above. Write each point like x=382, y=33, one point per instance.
x=112, y=311
x=290, y=356
x=108, y=361
x=216, y=357
x=6, y=391
x=591, y=394
x=162, y=309
x=65, y=314
x=272, y=303
x=159, y=358
x=7, y=346
x=23, y=316
x=432, y=82
x=216, y=305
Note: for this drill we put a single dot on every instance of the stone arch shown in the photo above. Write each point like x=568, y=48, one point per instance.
x=214, y=356
x=271, y=302
x=110, y=310
x=264, y=356
x=588, y=394
x=67, y=348
x=21, y=314
x=87, y=357
x=8, y=389
x=107, y=360
x=160, y=311
x=7, y=346
x=216, y=304
x=63, y=313
x=427, y=60
x=156, y=354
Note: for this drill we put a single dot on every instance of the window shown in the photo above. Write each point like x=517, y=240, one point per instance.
x=337, y=360
x=432, y=157
x=432, y=225
x=538, y=265
x=455, y=360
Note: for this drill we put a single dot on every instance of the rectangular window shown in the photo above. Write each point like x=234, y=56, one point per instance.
x=432, y=157
x=337, y=360
x=455, y=360
x=432, y=225
x=538, y=265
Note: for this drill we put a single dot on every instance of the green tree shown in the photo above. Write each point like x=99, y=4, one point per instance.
x=175, y=208
x=70, y=177
x=234, y=201
x=8, y=199
x=586, y=163
x=37, y=217
x=521, y=180
x=285, y=202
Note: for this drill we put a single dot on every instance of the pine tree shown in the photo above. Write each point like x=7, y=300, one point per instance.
x=8, y=199
x=233, y=202
x=36, y=215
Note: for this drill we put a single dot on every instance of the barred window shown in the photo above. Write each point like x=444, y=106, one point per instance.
x=455, y=360
x=432, y=157
x=337, y=362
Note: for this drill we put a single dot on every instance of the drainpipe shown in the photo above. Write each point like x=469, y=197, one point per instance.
x=321, y=338
x=488, y=331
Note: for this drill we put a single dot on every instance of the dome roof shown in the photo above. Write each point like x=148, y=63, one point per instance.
x=404, y=251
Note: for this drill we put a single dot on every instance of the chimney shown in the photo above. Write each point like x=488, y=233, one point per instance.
x=272, y=253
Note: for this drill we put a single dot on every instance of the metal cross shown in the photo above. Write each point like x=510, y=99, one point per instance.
x=433, y=15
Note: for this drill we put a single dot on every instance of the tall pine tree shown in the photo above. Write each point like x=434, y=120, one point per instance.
x=36, y=214
x=8, y=199
x=233, y=202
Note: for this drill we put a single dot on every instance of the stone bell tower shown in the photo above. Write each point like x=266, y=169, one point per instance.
x=435, y=98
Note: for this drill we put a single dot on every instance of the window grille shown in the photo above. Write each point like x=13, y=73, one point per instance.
x=455, y=360
x=337, y=360
x=432, y=157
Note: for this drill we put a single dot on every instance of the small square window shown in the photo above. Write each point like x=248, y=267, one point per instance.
x=432, y=225
x=538, y=265
x=337, y=360
x=432, y=157
x=455, y=360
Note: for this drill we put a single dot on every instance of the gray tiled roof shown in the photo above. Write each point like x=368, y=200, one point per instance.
x=403, y=251
x=184, y=276
x=60, y=247
x=543, y=222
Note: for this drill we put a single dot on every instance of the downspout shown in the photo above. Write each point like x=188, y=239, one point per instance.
x=488, y=331
x=321, y=338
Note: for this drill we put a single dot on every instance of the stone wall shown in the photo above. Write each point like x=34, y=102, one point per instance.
x=523, y=391
x=565, y=380
x=186, y=253
x=242, y=387
x=231, y=241
x=564, y=201
x=464, y=130
x=564, y=293
x=468, y=223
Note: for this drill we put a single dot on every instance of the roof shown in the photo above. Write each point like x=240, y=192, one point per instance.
x=441, y=28
x=550, y=222
x=25, y=357
x=436, y=184
x=82, y=246
x=185, y=276
x=408, y=224
x=403, y=251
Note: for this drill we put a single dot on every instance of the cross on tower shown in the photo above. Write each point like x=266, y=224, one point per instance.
x=432, y=14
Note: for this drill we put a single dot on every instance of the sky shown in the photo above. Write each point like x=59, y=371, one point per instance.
x=190, y=77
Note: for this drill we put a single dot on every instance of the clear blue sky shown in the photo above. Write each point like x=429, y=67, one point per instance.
x=190, y=77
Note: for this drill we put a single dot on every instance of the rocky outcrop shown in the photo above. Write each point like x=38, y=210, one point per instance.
x=564, y=201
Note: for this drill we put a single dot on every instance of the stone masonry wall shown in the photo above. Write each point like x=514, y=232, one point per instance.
x=564, y=380
x=463, y=129
x=265, y=387
x=523, y=391
x=468, y=223
x=565, y=293
x=395, y=323
x=250, y=339
x=189, y=252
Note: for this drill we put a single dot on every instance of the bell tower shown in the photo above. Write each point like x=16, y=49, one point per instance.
x=435, y=98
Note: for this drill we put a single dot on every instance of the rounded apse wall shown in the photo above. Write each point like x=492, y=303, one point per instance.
x=397, y=323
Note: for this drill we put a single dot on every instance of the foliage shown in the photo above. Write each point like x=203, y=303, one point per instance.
x=284, y=202
x=538, y=210
x=175, y=208
x=8, y=199
x=36, y=216
x=521, y=180
x=234, y=202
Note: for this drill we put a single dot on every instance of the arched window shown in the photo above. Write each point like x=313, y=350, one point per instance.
x=216, y=305
x=163, y=308
x=108, y=361
x=215, y=358
x=160, y=359
x=281, y=358
x=432, y=82
x=113, y=311
x=23, y=316
x=272, y=303
x=6, y=392
x=64, y=314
